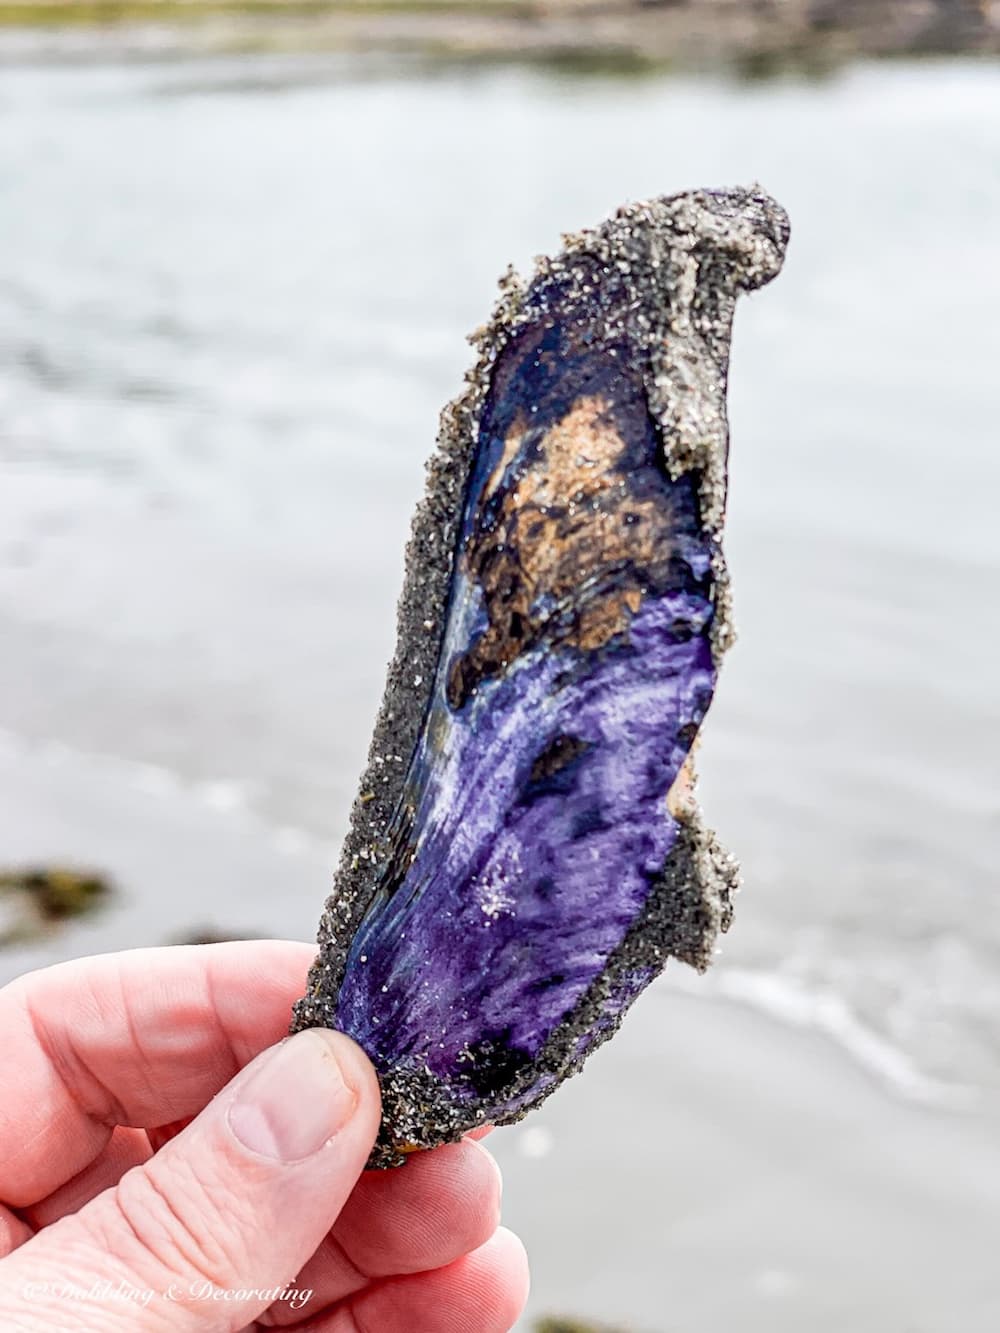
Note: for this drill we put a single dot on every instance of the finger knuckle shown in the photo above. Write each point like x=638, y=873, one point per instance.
x=174, y=1226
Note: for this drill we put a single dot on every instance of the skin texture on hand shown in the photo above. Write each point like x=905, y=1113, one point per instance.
x=168, y=1162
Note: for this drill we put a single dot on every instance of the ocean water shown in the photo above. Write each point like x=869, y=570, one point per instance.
x=233, y=298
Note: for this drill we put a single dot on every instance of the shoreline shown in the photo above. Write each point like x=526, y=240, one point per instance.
x=610, y=36
x=712, y=1167
x=38, y=782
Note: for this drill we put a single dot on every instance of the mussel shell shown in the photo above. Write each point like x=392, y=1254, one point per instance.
x=526, y=853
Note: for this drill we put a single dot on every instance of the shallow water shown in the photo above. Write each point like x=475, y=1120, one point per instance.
x=232, y=301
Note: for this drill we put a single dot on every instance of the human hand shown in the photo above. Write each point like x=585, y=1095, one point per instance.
x=164, y=1166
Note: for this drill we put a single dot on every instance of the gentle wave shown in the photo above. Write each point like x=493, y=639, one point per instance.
x=227, y=797
x=781, y=997
x=796, y=1005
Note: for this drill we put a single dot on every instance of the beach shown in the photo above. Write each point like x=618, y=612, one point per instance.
x=710, y=1169
x=234, y=294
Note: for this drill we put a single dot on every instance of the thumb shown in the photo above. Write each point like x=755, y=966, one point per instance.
x=205, y=1234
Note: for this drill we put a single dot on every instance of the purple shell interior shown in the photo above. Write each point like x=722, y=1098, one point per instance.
x=575, y=671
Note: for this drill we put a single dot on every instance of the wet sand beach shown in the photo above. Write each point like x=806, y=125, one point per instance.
x=710, y=1169
x=713, y=1171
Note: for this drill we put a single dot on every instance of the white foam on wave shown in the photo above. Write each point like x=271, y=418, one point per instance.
x=227, y=795
x=230, y=798
x=789, y=1001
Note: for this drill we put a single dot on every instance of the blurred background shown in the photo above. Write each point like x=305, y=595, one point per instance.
x=240, y=247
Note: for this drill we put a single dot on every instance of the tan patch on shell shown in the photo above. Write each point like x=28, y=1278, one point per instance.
x=569, y=536
x=680, y=797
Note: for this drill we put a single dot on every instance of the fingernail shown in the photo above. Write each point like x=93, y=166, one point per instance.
x=296, y=1101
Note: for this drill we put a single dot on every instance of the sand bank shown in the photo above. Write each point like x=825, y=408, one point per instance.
x=754, y=37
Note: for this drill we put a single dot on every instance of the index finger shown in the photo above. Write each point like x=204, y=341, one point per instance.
x=141, y=1038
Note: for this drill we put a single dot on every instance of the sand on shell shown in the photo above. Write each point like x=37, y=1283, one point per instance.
x=684, y=258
